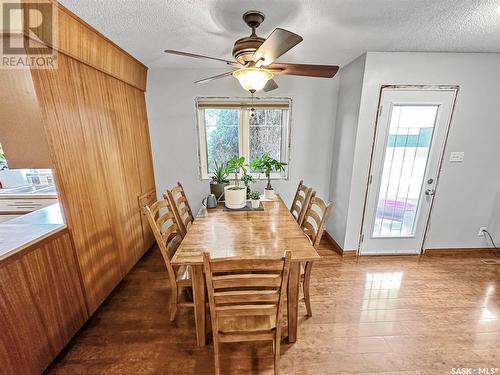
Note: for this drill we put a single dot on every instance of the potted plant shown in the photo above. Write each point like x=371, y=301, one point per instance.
x=3, y=161
x=236, y=195
x=247, y=178
x=255, y=199
x=219, y=180
x=267, y=165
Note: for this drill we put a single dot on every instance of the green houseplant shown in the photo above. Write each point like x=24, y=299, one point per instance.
x=255, y=199
x=3, y=161
x=247, y=179
x=219, y=180
x=236, y=195
x=266, y=164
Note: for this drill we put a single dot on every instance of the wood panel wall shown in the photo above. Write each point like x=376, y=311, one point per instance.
x=97, y=129
x=76, y=38
x=21, y=125
x=41, y=305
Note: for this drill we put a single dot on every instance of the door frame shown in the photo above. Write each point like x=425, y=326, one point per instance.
x=456, y=89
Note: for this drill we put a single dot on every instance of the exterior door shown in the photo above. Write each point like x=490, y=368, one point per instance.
x=409, y=143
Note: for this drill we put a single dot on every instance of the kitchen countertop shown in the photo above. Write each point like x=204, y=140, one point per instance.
x=22, y=232
x=29, y=192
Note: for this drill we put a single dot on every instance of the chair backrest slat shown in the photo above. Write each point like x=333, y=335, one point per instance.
x=168, y=232
x=249, y=280
x=180, y=205
x=315, y=219
x=246, y=310
x=300, y=202
x=164, y=219
x=315, y=216
x=246, y=297
x=242, y=265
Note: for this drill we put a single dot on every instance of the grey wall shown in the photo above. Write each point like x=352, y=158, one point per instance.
x=346, y=125
x=468, y=194
x=171, y=112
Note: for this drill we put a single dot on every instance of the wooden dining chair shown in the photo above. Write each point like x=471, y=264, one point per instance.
x=313, y=226
x=300, y=202
x=180, y=205
x=245, y=298
x=162, y=222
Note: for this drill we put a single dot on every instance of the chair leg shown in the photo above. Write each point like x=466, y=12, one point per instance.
x=305, y=287
x=173, y=303
x=276, y=347
x=216, y=356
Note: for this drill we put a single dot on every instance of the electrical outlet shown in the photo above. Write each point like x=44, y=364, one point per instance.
x=481, y=232
x=457, y=157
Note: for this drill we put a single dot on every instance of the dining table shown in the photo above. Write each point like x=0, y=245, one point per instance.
x=224, y=233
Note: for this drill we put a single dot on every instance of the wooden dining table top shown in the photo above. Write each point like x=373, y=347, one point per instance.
x=245, y=234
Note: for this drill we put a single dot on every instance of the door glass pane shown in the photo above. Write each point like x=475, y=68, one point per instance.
x=266, y=133
x=221, y=129
x=405, y=162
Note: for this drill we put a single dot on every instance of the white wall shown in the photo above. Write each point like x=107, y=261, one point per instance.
x=171, y=113
x=468, y=194
x=346, y=124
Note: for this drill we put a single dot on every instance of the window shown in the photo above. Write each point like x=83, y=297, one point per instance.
x=240, y=127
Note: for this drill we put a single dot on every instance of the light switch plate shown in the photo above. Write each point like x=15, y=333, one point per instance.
x=456, y=157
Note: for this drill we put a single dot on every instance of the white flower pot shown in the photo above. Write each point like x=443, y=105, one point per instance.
x=235, y=198
x=269, y=193
x=255, y=203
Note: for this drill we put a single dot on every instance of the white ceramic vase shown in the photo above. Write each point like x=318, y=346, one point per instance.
x=269, y=193
x=235, y=197
x=255, y=203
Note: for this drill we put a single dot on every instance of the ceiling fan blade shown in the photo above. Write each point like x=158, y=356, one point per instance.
x=270, y=85
x=279, y=42
x=307, y=70
x=196, y=56
x=214, y=77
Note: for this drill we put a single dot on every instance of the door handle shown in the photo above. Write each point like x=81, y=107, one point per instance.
x=430, y=191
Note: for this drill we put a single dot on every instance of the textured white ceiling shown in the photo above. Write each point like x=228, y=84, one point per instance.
x=334, y=31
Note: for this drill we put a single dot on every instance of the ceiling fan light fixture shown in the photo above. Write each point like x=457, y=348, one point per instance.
x=252, y=79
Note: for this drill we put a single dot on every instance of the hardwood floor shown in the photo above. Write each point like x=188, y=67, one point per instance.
x=393, y=315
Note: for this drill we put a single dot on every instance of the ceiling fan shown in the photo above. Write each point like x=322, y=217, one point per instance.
x=255, y=58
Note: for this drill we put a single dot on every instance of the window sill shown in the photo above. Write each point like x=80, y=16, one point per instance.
x=277, y=178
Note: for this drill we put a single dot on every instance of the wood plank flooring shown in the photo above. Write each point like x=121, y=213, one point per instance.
x=385, y=315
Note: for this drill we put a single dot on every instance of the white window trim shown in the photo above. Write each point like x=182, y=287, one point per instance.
x=244, y=142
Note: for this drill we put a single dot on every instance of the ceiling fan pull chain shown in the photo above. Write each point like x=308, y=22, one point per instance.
x=252, y=110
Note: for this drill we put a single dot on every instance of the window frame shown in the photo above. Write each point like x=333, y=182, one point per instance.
x=243, y=104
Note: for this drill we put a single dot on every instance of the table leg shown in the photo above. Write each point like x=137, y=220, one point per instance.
x=293, y=300
x=199, y=303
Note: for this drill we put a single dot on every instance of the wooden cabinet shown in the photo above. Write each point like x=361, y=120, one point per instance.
x=96, y=130
x=147, y=199
x=42, y=304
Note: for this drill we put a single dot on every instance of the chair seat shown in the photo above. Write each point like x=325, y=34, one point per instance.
x=183, y=275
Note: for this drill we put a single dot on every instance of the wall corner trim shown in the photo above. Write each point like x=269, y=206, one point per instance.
x=337, y=248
